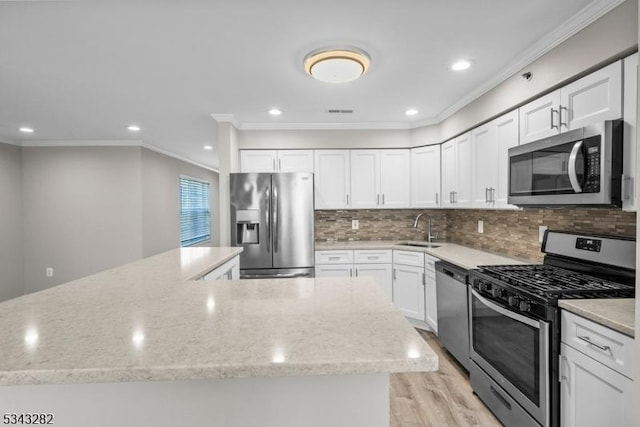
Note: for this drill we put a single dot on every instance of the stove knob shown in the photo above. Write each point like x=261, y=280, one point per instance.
x=524, y=306
x=513, y=300
x=485, y=286
x=497, y=292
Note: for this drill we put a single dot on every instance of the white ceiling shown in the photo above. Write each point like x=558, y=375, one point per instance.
x=84, y=70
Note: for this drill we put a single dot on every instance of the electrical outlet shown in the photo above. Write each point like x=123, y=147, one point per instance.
x=541, y=230
x=49, y=271
x=480, y=226
x=355, y=224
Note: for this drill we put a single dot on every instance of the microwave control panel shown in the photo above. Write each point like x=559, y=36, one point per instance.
x=592, y=166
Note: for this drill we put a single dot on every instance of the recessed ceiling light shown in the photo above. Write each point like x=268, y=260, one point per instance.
x=275, y=112
x=26, y=130
x=134, y=128
x=411, y=112
x=461, y=65
x=208, y=147
x=337, y=65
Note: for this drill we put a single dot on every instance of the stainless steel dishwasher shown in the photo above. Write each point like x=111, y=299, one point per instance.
x=453, y=318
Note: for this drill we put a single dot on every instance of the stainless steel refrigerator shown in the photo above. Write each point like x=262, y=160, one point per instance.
x=272, y=219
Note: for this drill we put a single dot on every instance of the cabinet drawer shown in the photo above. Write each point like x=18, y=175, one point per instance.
x=603, y=344
x=371, y=256
x=334, y=257
x=429, y=263
x=408, y=258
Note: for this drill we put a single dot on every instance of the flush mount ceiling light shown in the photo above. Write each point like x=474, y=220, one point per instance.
x=461, y=65
x=275, y=112
x=411, y=112
x=208, y=147
x=133, y=128
x=26, y=130
x=336, y=65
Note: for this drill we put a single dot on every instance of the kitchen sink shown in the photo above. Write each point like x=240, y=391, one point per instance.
x=420, y=245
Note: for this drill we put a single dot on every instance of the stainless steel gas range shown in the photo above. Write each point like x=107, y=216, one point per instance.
x=514, y=320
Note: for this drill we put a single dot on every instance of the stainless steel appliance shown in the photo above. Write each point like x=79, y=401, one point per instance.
x=272, y=219
x=515, y=324
x=453, y=320
x=580, y=167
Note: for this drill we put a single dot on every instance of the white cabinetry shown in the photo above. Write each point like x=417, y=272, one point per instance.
x=490, y=153
x=593, y=98
x=596, y=365
x=409, y=283
x=276, y=161
x=456, y=172
x=425, y=177
x=380, y=179
x=431, y=301
x=332, y=179
x=359, y=263
x=630, y=110
x=230, y=270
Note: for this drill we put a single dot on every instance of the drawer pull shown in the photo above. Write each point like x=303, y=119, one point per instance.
x=372, y=258
x=334, y=258
x=588, y=341
x=500, y=397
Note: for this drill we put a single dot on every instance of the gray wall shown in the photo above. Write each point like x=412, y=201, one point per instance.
x=161, y=200
x=82, y=211
x=11, y=281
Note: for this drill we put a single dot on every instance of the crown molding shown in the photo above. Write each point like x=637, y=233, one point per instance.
x=564, y=31
x=82, y=143
x=325, y=126
x=177, y=157
x=10, y=142
x=225, y=118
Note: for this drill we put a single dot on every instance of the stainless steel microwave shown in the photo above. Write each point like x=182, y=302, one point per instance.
x=579, y=167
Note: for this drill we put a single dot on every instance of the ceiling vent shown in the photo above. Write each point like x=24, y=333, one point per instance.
x=339, y=111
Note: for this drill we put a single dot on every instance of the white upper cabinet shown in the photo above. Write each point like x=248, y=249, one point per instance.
x=365, y=179
x=593, y=98
x=425, y=177
x=258, y=161
x=395, y=179
x=332, y=179
x=380, y=179
x=456, y=172
x=276, y=161
x=629, y=133
x=490, y=153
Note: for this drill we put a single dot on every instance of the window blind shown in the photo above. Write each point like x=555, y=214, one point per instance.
x=195, y=214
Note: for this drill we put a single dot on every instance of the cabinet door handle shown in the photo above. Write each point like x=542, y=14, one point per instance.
x=560, y=116
x=588, y=341
x=394, y=274
x=552, y=125
x=347, y=200
x=351, y=272
x=486, y=195
x=377, y=199
x=627, y=184
x=437, y=199
x=356, y=272
x=424, y=279
x=274, y=165
x=383, y=199
x=493, y=195
x=455, y=197
x=450, y=196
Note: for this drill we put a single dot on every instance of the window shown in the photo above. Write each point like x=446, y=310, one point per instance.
x=195, y=213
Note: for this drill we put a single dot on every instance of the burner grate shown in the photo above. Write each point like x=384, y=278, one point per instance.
x=554, y=283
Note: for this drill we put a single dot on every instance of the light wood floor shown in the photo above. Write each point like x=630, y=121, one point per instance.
x=437, y=399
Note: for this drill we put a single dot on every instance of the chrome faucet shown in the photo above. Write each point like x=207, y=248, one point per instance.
x=429, y=236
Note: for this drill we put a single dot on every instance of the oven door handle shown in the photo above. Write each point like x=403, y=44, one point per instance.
x=505, y=312
x=573, y=176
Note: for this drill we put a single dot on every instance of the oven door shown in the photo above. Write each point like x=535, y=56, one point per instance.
x=514, y=351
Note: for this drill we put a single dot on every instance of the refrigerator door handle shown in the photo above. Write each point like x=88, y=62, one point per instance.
x=267, y=197
x=275, y=219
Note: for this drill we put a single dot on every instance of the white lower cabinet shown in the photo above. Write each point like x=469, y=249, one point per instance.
x=408, y=290
x=358, y=263
x=431, y=301
x=595, y=365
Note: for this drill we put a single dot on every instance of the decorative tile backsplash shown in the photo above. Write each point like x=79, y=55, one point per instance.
x=513, y=233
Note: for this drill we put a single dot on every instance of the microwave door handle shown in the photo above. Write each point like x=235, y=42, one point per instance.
x=573, y=176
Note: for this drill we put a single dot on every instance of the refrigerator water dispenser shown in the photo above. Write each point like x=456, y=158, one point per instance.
x=248, y=227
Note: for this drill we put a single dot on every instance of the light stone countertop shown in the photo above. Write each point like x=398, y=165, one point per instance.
x=149, y=320
x=616, y=313
x=462, y=256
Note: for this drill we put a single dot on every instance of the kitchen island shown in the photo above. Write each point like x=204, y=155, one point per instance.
x=149, y=344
